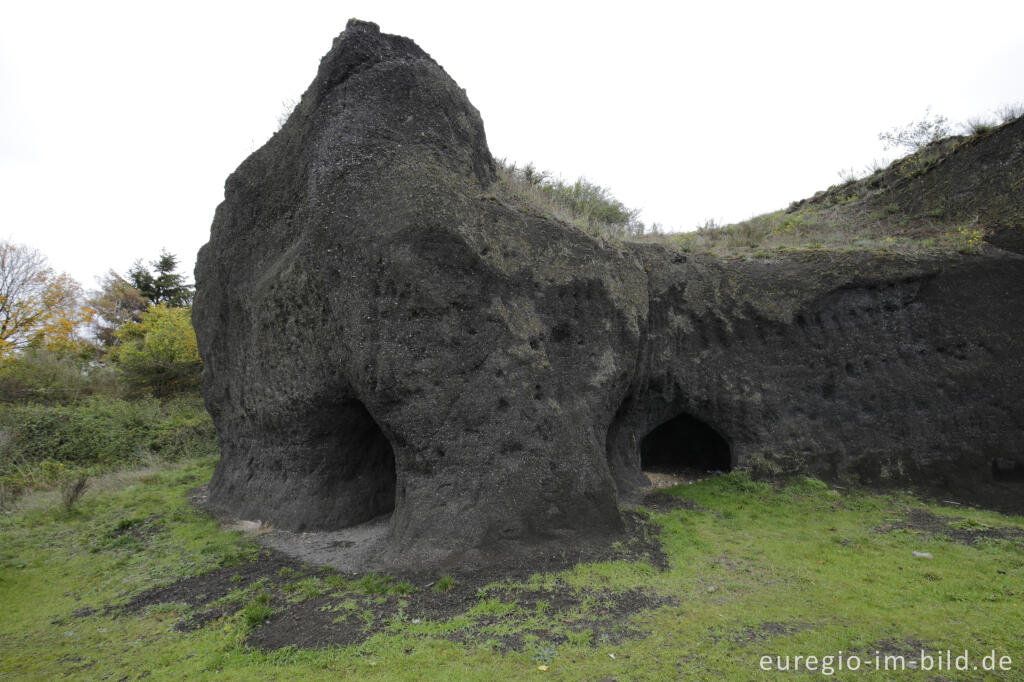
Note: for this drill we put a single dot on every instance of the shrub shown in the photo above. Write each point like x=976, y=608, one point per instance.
x=37, y=441
x=919, y=134
x=40, y=375
x=159, y=354
x=71, y=490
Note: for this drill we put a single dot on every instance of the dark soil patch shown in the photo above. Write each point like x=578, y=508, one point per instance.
x=349, y=608
x=954, y=528
x=642, y=543
x=201, y=619
x=767, y=630
x=349, y=618
x=206, y=592
x=1006, y=497
x=212, y=585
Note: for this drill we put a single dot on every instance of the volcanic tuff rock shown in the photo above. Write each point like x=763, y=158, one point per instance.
x=381, y=333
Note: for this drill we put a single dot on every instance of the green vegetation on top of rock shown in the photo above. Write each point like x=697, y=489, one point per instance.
x=951, y=194
x=583, y=204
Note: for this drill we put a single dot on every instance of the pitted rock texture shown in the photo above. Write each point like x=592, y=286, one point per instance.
x=382, y=334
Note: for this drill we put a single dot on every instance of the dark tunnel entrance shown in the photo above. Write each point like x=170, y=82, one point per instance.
x=365, y=461
x=684, y=443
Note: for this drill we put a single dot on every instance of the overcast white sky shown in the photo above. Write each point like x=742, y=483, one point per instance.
x=119, y=121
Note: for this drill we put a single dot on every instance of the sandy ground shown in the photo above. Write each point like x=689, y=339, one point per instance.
x=354, y=549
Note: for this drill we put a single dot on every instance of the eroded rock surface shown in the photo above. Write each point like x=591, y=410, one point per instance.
x=382, y=334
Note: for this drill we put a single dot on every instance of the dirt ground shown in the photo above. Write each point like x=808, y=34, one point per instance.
x=953, y=528
x=359, y=608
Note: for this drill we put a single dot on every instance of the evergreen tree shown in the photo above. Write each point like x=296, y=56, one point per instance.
x=163, y=284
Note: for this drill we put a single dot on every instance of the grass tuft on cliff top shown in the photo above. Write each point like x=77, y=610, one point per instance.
x=582, y=204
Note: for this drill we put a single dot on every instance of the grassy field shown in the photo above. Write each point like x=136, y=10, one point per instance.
x=749, y=570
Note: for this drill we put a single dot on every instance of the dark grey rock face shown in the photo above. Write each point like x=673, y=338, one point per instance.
x=381, y=334
x=850, y=367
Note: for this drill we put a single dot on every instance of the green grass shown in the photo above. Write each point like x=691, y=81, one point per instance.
x=257, y=611
x=307, y=588
x=800, y=569
x=372, y=583
x=851, y=223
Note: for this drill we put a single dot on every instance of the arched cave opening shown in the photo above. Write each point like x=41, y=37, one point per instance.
x=684, y=443
x=365, y=460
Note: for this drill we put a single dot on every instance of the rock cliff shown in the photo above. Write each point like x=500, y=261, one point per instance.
x=382, y=334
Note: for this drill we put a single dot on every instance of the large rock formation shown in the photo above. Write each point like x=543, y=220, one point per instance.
x=381, y=333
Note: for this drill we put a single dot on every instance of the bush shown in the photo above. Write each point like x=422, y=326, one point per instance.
x=919, y=134
x=46, y=376
x=158, y=354
x=39, y=444
x=72, y=490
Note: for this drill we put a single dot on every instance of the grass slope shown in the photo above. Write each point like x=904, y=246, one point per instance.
x=948, y=197
x=753, y=570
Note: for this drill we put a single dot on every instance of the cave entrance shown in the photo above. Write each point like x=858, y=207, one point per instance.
x=365, y=462
x=684, y=445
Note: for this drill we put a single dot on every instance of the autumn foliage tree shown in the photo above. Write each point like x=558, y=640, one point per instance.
x=116, y=303
x=51, y=339
x=38, y=307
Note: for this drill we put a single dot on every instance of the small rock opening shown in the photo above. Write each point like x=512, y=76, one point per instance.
x=365, y=459
x=684, y=446
x=1007, y=469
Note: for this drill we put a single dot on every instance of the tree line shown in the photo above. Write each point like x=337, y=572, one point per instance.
x=132, y=335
